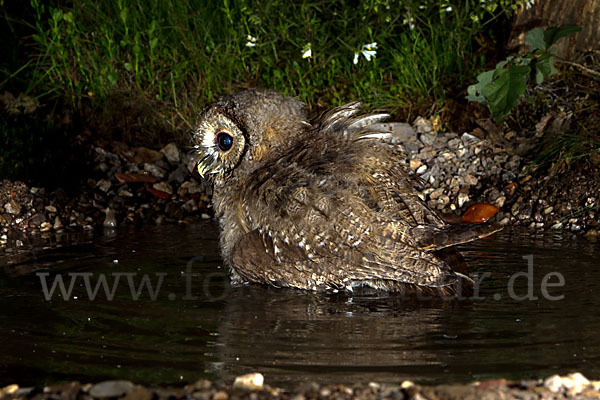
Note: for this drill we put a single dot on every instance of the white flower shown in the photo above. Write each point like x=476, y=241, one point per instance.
x=410, y=22
x=355, y=58
x=307, y=51
x=449, y=8
x=251, y=41
x=369, y=50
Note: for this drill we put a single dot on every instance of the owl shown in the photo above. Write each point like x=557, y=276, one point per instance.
x=322, y=204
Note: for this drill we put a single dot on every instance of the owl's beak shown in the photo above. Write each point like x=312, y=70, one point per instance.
x=206, y=164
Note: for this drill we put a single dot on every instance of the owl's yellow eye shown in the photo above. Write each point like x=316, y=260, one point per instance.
x=224, y=141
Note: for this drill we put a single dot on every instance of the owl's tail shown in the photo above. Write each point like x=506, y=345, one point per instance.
x=432, y=238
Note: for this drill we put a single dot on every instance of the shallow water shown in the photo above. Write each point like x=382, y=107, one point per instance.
x=290, y=336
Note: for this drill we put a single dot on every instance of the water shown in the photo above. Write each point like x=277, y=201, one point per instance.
x=290, y=336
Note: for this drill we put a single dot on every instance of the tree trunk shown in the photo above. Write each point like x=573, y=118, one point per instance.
x=547, y=13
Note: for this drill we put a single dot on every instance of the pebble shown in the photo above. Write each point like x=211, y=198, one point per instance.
x=499, y=202
x=155, y=170
x=12, y=207
x=572, y=384
x=110, y=219
x=171, y=152
x=422, y=125
x=58, y=225
x=471, y=180
x=104, y=185
x=111, y=389
x=456, y=170
x=414, y=164
x=252, y=381
x=462, y=199
x=163, y=186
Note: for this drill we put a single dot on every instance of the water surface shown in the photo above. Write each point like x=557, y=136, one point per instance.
x=290, y=336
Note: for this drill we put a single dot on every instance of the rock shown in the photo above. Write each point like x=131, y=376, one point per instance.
x=462, y=199
x=468, y=139
x=163, y=187
x=104, y=185
x=436, y=193
x=572, y=384
x=455, y=143
x=12, y=207
x=592, y=234
x=125, y=193
x=414, y=164
x=111, y=389
x=190, y=206
x=144, y=155
x=45, y=227
x=500, y=201
x=37, y=219
x=402, y=132
x=9, y=390
x=443, y=200
x=427, y=153
x=421, y=170
x=412, y=148
x=51, y=209
x=110, y=220
x=171, y=152
x=138, y=393
x=220, y=395
x=428, y=138
x=58, y=225
x=155, y=170
x=253, y=381
x=471, y=180
x=557, y=225
x=422, y=125
x=178, y=175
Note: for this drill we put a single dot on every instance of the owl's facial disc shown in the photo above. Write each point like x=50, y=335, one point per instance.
x=221, y=144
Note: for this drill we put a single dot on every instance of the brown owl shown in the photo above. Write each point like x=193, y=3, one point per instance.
x=323, y=204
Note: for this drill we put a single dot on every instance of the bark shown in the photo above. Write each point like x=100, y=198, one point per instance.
x=547, y=13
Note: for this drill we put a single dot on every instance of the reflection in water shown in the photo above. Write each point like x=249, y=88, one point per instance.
x=293, y=336
x=323, y=337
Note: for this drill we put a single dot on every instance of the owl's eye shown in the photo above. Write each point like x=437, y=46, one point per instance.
x=224, y=141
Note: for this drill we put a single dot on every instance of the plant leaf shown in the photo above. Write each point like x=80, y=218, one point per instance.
x=535, y=39
x=503, y=92
x=475, y=92
x=544, y=67
x=552, y=35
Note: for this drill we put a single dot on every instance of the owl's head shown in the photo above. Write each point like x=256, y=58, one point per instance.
x=246, y=128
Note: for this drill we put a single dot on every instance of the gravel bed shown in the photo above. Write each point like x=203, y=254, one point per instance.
x=137, y=185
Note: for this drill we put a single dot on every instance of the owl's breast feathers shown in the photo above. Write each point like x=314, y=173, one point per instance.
x=337, y=208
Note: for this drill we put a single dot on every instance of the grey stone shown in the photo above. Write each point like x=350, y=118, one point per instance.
x=171, y=152
x=155, y=170
x=111, y=389
x=422, y=125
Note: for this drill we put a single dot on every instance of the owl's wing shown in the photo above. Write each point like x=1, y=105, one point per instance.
x=333, y=244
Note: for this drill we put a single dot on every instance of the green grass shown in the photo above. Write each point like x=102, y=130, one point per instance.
x=176, y=56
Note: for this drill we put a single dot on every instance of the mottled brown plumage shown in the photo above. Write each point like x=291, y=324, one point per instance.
x=322, y=204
